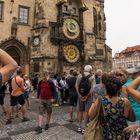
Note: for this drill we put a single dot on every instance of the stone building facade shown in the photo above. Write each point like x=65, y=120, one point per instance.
x=16, y=19
x=68, y=35
x=55, y=35
x=127, y=58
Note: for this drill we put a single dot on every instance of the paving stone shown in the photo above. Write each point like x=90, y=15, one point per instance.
x=60, y=128
x=54, y=133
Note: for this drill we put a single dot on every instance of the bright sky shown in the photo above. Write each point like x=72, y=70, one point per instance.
x=123, y=24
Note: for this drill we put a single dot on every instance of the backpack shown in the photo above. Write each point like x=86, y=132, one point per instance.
x=84, y=85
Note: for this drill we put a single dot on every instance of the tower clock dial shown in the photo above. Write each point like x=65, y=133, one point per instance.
x=71, y=53
x=36, y=41
x=71, y=28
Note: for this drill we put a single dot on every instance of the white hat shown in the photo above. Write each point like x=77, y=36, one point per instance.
x=88, y=68
x=135, y=69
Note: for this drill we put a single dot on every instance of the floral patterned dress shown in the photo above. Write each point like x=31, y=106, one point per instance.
x=114, y=121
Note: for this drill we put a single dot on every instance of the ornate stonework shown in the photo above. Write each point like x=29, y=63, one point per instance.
x=80, y=24
x=59, y=34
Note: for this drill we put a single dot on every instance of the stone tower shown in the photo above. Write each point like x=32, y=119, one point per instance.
x=69, y=34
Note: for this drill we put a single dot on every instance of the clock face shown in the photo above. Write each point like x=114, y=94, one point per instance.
x=71, y=53
x=36, y=41
x=71, y=28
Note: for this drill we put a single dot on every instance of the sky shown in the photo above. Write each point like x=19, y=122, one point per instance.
x=122, y=24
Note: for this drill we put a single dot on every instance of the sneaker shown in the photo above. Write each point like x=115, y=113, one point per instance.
x=83, y=131
x=46, y=127
x=25, y=119
x=8, y=121
x=38, y=130
x=79, y=129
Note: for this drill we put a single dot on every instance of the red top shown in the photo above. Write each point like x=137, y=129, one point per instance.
x=45, y=91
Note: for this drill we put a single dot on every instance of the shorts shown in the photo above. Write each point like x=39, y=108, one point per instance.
x=26, y=95
x=84, y=106
x=73, y=100
x=45, y=106
x=2, y=99
x=17, y=99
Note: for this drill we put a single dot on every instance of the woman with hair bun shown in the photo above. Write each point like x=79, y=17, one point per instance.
x=117, y=111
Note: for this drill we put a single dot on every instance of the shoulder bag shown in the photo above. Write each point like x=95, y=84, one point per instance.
x=94, y=129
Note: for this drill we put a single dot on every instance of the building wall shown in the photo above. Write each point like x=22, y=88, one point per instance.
x=47, y=53
x=23, y=33
x=35, y=48
x=126, y=60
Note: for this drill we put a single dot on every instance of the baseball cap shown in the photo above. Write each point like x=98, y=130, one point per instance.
x=88, y=68
x=135, y=69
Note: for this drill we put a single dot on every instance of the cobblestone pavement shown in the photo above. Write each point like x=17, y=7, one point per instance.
x=60, y=128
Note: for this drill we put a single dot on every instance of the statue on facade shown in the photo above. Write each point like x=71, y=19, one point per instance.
x=14, y=27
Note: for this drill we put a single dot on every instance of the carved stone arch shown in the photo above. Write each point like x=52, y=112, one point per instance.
x=17, y=50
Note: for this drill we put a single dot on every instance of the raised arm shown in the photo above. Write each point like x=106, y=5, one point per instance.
x=9, y=65
x=132, y=89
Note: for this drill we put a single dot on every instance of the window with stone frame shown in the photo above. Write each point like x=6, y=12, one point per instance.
x=23, y=15
x=1, y=10
x=99, y=52
x=36, y=67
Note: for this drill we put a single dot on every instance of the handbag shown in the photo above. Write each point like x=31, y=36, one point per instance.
x=94, y=129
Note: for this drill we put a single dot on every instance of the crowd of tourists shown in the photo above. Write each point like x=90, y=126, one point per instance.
x=119, y=92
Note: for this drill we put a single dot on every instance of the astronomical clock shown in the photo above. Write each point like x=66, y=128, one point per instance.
x=71, y=53
x=71, y=28
x=67, y=33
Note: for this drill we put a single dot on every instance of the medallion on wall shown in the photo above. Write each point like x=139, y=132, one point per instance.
x=71, y=53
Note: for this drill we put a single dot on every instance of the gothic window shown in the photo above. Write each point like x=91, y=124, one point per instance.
x=95, y=21
x=99, y=52
x=36, y=67
x=1, y=10
x=23, y=15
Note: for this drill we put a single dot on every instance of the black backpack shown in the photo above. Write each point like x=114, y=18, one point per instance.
x=84, y=85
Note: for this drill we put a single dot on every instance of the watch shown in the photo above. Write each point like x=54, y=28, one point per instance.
x=36, y=41
x=71, y=53
x=71, y=28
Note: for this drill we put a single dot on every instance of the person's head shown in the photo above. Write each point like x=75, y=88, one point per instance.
x=74, y=73
x=104, y=77
x=26, y=77
x=99, y=72
x=113, y=86
x=71, y=71
x=45, y=75
x=122, y=75
x=88, y=68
